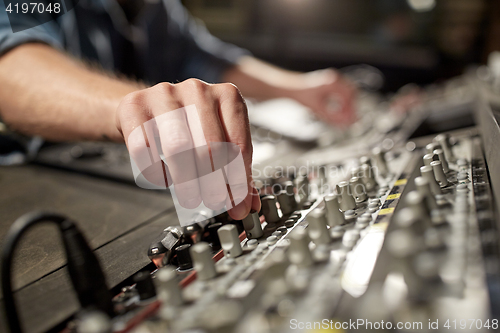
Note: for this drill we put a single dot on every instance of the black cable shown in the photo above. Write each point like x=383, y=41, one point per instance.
x=83, y=267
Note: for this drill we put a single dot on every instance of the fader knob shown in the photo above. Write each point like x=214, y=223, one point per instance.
x=427, y=173
x=439, y=173
x=203, y=262
x=269, y=209
x=379, y=156
x=358, y=189
x=168, y=287
x=252, y=225
x=229, y=240
x=424, y=189
x=298, y=252
x=442, y=158
x=347, y=202
x=317, y=229
x=334, y=216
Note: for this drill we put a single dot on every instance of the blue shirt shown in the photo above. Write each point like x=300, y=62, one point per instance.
x=161, y=43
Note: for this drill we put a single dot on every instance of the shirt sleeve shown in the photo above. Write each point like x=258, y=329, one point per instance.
x=48, y=33
x=207, y=57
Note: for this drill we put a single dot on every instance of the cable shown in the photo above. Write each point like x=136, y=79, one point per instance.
x=83, y=267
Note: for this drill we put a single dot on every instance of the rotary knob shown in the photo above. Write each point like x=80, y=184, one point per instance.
x=269, y=209
x=443, y=140
x=184, y=257
x=442, y=158
x=334, y=216
x=168, y=287
x=368, y=177
x=379, y=156
x=298, y=252
x=347, y=201
x=428, y=174
x=429, y=158
x=358, y=189
x=286, y=202
x=424, y=189
x=252, y=225
x=318, y=232
x=416, y=202
x=203, y=262
x=439, y=173
x=229, y=241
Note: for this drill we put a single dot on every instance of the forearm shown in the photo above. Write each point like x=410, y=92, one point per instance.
x=46, y=93
x=260, y=80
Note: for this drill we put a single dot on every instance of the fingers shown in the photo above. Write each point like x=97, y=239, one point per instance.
x=202, y=133
x=206, y=129
x=234, y=120
x=137, y=131
x=177, y=145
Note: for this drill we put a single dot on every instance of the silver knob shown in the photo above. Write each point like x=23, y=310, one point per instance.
x=229, y=241
x=407, y=218
x=443, y=140
x=302, y=185
x=428, y=174
x=379, y=156
x=358, y=189
x=298, y=252
x=424, y=189
x=204, y=265
x=350, y=238
x=416, y=202
x=347, y=202
x=168, y=286
x=252, y=225
x=431, y=147
x=286, y=201
x=368, y=177
x=317, y=229
x=439, y=173
x=334, y=216
x=269, y=209
x=442, y=159
x=428, y=158
x=365, y=160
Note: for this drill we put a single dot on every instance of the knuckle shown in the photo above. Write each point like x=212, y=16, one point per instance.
x=177, y=143
x=196, y=85
x=134, y=98
x=231, y=91
x=165, y=87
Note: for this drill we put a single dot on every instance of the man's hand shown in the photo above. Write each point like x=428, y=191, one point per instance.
x=221, y=117
x=328, y=94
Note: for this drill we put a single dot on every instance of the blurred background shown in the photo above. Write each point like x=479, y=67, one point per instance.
x=419, y=41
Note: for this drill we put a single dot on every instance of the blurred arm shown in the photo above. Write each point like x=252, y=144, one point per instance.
x=46, y=93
